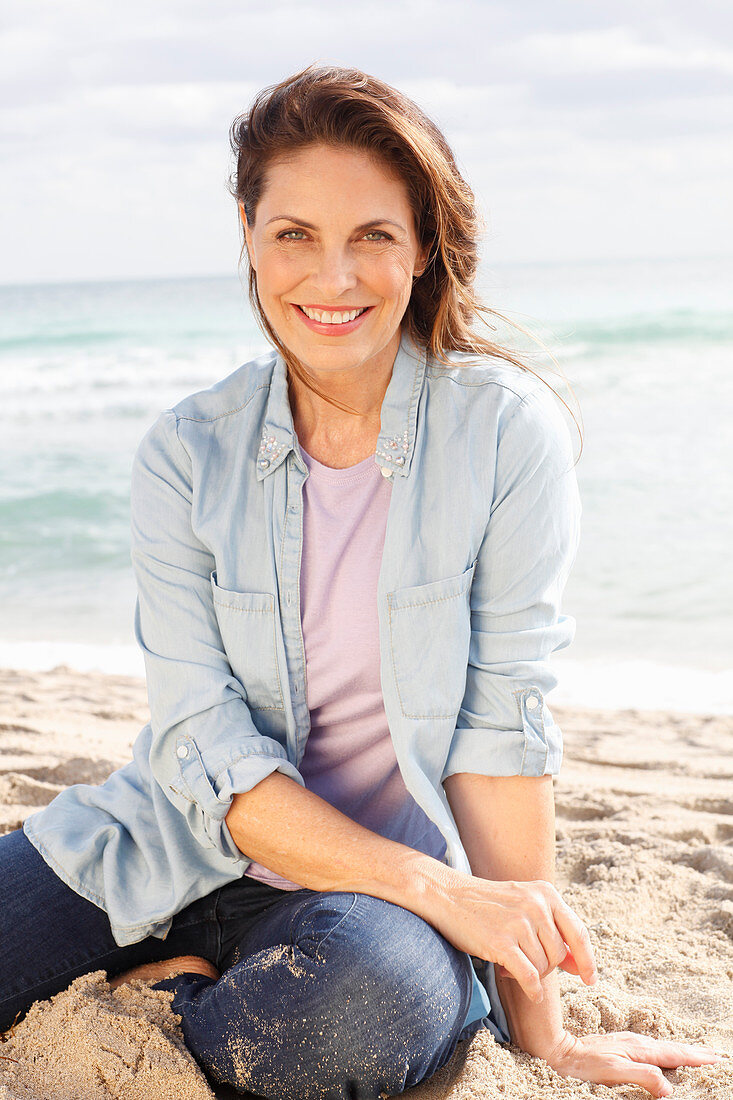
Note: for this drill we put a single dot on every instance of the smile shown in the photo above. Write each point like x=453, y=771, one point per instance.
x=333, y=318
x=332, y=322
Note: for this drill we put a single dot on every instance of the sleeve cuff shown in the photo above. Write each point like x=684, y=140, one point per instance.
x=535, y=749
x=213, y=792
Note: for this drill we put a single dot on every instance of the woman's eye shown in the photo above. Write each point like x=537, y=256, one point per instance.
x=298, y=235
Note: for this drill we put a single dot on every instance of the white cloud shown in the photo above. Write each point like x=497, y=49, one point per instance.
x=584, y=129
x=616, y=49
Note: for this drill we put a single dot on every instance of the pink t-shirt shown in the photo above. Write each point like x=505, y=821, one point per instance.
x=349, y=759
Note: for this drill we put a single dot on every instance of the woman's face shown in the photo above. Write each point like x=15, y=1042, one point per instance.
x=335, y=250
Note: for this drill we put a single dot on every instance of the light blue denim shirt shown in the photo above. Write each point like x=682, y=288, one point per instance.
x=482, y=531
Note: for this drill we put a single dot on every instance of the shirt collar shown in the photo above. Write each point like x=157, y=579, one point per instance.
x=398, y=415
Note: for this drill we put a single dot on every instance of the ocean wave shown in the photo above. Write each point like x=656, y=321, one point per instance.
x=82, y=339
x=690, y=328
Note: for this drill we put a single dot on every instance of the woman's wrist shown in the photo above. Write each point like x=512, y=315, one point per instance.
x=429, y=888
x=562, y=1055
x=536, y=1028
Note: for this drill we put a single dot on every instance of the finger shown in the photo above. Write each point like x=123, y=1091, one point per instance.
x=651, y=1078
x=569, y=964
x=672, y=1055
x=522, y=970
x=530, y=944
x=553, y=945
x=576, y=936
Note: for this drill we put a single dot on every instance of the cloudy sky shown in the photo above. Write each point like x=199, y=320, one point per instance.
x=589, y=130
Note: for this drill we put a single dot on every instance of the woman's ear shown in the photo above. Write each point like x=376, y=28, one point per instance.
x=420, y=263
x=247, y=236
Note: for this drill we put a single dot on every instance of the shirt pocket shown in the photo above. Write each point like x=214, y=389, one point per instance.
x=430, y=633
x=247, y=626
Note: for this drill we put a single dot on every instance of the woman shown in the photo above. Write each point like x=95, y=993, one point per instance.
x=325, y=870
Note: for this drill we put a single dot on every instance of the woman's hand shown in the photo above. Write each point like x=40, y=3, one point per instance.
x=625, y=1058
x=525, y=927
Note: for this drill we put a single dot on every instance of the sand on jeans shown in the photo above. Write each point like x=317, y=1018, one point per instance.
x=645, y=857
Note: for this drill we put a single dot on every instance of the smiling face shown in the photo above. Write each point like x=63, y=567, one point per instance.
x=335, y=250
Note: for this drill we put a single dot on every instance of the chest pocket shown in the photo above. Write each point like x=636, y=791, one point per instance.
x=247, y=626
x=430, y=633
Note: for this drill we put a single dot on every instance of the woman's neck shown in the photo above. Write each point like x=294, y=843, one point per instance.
x=323, y=429
x=333, y=437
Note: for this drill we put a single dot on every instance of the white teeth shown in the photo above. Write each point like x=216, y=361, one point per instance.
x=325, y=318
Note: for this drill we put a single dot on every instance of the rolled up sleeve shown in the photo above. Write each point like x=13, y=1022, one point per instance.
x=504, y=726
x=204, y=746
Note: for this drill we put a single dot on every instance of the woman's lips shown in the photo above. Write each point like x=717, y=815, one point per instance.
x=326, y=329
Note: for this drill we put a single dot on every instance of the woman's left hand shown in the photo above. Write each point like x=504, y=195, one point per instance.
x=625, y=1057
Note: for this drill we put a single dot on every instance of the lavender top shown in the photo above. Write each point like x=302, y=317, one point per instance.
x=349, y=758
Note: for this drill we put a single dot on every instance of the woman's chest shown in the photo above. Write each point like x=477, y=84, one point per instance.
x=418, y=593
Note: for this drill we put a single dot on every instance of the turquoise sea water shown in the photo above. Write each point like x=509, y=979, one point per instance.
x=647, y=347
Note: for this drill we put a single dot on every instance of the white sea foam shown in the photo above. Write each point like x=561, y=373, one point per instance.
x=603, y=685
x=643, y=685
x=124, y=660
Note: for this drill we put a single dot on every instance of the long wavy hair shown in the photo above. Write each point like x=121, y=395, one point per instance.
x=337, y=106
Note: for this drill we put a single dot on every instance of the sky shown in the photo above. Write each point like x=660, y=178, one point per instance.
x=588, y=129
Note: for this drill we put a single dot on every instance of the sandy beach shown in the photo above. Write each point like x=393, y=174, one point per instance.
x=645, y=856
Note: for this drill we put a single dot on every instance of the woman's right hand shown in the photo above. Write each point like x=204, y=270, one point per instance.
x=524, y=927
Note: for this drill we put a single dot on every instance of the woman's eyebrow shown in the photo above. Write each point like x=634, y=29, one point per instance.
x=307, y=225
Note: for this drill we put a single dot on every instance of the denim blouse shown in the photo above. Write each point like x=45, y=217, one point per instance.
x=482, y=531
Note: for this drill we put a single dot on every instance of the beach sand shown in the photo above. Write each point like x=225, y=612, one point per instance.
x=645, y=857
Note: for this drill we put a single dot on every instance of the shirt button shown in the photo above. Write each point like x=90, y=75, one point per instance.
x=386, y=472
x=532, y=702
x=263, y=463
x=182, y=751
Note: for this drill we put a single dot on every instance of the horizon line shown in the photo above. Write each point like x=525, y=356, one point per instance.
x=585, y=261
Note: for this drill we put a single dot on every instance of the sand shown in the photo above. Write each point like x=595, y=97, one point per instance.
x=645, y=856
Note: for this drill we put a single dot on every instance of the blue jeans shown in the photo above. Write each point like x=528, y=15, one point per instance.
x=320, y=995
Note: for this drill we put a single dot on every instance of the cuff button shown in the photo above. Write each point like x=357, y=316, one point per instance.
x=182, y=751
x=532, y=702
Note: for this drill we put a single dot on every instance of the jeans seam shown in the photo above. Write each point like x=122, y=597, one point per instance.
x=219, y=928
x=354, y=897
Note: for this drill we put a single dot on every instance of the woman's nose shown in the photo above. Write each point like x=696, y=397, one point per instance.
x=335, y=273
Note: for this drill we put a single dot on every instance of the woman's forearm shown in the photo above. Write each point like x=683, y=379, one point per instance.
x=507, y=827
x=300, y=836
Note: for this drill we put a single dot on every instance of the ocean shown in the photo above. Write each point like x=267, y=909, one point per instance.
x=647, y=350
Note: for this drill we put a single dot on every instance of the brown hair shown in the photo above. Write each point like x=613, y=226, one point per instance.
x=338, y=106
